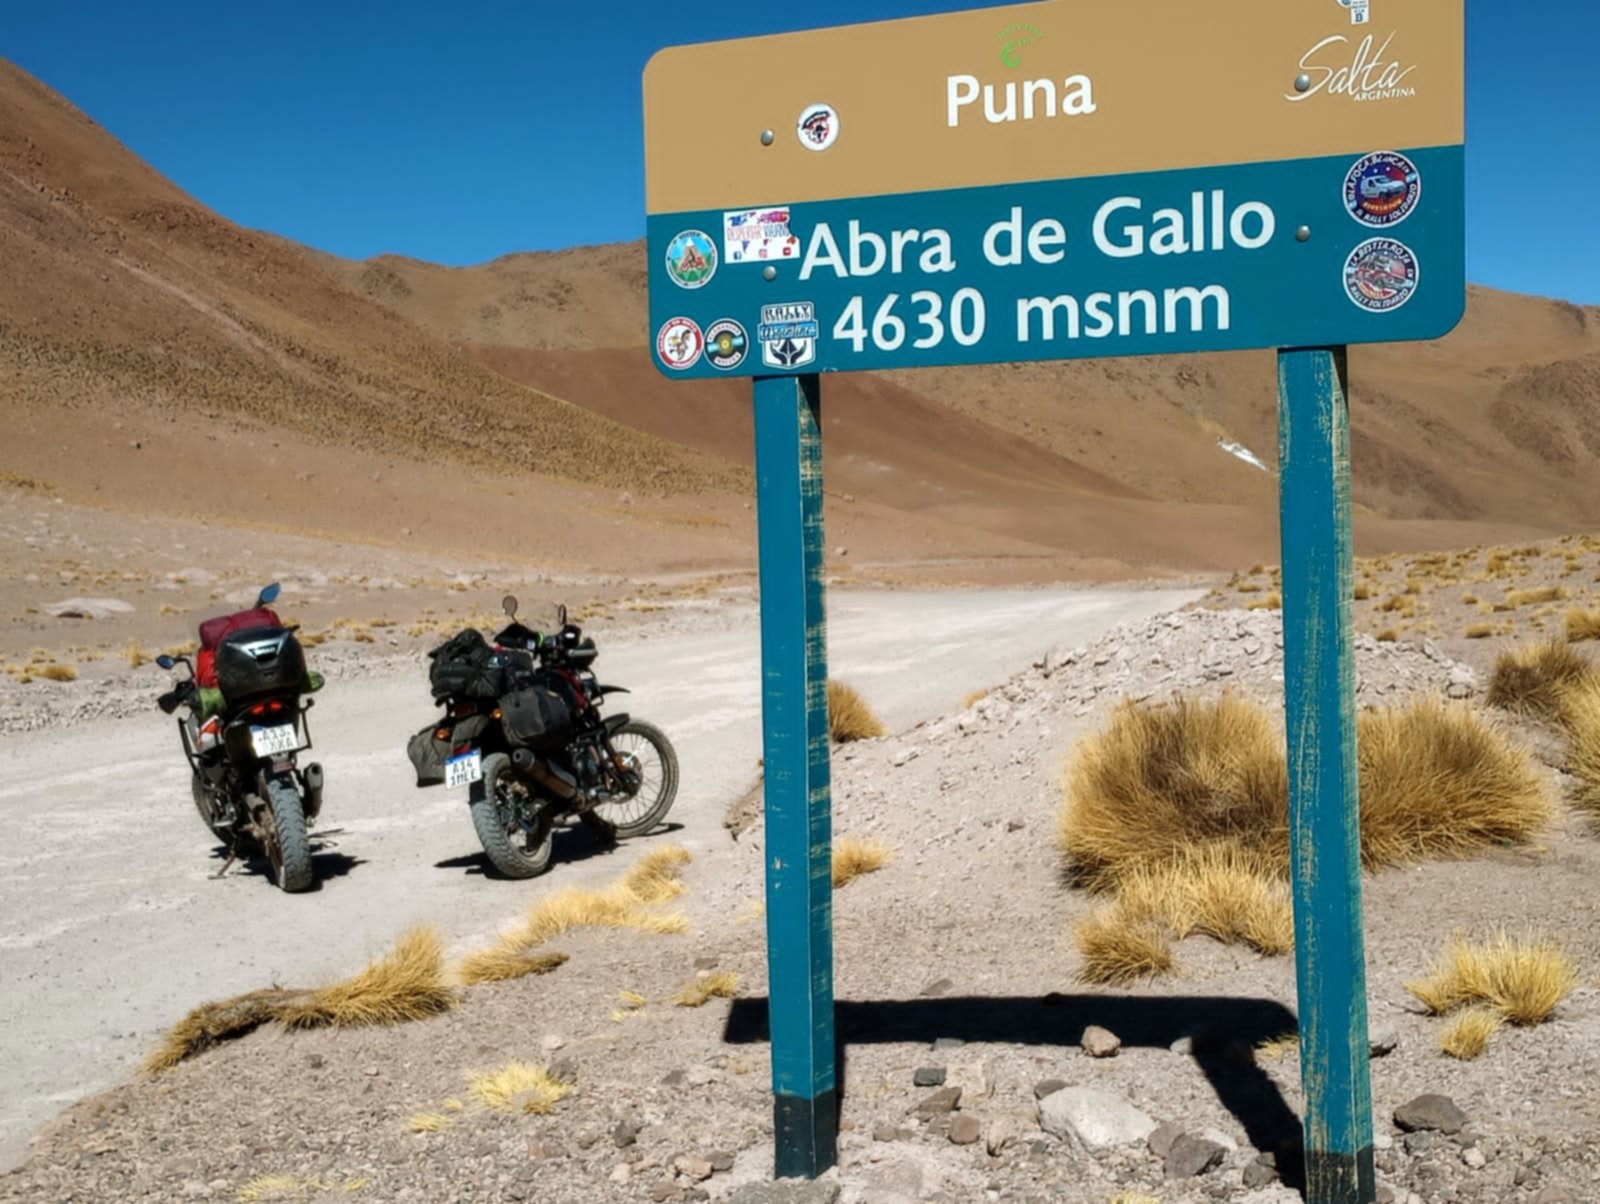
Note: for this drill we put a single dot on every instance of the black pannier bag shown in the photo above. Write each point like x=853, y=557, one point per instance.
x=465, y=666
x=428, y=755
x=538, y=717
x=260, y=660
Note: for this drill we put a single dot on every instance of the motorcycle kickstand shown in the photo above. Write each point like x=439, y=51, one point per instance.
x=233, y=855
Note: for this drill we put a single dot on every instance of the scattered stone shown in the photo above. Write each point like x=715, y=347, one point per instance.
x=942, y=987
x=87, y=608
x=887, y=1132
x=552, y=1042
x=1418, y=1143
x=1225, y=1140
x=928, y=1076
x=1100, y=1042
x=674, y=1078
x=721, y=1160
x=1015, y=825
x=662, y=1192
x=975, y=1077
x=701, y=1076
x=564, y=1070
x=1437, y=1113
x=1474, y=1158
x=965, y=1129
x=1183, y=1046
x=1004, y=1132
x=695, y=1168
x=705, y=963
x=1095, y=1119
x=1046, y=1087
x=314, y=1061
x=1385, y=1195
x=941, y=1102
x=625, y=1134
x=1554, y=1195
x=1261, y=1171
x=943, y=1043
x=1382, y=1041
x=903, y=757
x=1161, y=1139
x=1191, y=1156
x=621, y=1173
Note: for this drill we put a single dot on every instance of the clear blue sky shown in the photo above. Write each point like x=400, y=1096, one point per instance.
x=457, y=132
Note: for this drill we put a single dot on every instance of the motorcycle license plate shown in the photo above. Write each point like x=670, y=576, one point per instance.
x=269, y=740
x=463, y=770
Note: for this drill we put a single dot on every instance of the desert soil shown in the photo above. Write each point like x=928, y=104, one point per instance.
x=956, y=957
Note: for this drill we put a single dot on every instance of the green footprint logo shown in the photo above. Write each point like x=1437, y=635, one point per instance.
x=1013, y=38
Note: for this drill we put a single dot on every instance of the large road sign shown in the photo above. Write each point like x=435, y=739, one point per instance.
x=1052, y=181
x=1056, y=181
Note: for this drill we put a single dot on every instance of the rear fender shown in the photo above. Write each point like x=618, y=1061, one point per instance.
x=468, y=728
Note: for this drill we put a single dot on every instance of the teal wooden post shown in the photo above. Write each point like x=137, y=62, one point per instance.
x=1324, y=828
x=799, y=833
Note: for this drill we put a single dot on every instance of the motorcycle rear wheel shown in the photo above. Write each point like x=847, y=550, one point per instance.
x=202, y=803
x=494, y=817
x=287, y=846
x=646, y=751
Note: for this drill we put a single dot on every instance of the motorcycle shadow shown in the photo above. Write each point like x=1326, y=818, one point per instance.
x=573, y=843
x=326, y=862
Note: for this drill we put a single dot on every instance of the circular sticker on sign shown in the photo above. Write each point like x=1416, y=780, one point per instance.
x=691, y=259
x=818, y=127
x=1381, y=274
x=1382, y=189
x=726, y=344
x=679, y=343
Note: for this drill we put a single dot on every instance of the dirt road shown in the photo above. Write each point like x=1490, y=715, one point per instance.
x=113, y=925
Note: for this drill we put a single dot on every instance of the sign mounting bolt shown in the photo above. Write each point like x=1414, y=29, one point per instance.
x=1303, y=234
x=766, y=135
x=1302, y=83
x=769, y=273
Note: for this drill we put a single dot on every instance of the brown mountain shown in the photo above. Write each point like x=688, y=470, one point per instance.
x=347, y=397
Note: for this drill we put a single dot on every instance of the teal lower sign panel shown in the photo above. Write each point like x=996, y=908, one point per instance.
x=1301, y=253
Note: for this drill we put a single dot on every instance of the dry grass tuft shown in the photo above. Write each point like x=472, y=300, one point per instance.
x=1580, y=714
x=853, y=858
x=1521, y=980
x=658, y=876
x=1362, y=591
x=849, y=716
x=1583, y=625
x=518, y=1087
x=1118, y=949
x=55, y=672
x=1530, y=680
x=1536, y=597
x=133, y=652
x=1279, y=1046
x=1163, y=778
x=1226, y=891
x=428, y=1122
x=495, y=964
x=1467, y=1036
x=211, y=1024
x=1479, y=631
x=1133, y=1197
x=1440, y=779
x=407, y=983
x=1270, y=602
x=973, y=699
x=631, y=999
x=1388, y=635
x=720, y=984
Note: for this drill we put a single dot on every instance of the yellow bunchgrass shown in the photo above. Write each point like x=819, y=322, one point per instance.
x=1279, y=1046
x=1467, y=1036
x=1440, y=779
x=631, y=999
x=1479, y=631
x=1580, y=715
x=719, y=984
x=1270, y=602
x=1521, y=979
x=518, y=1087
x=1388, y=635
x=428, y=1122
x=1530, y=680
x=1118, y=949
x=631, y=903
x=852, y=858
x=1583, y=625
x=408, y=983
x=57, y=672
x=133, y=652
x=1536, y=597
x=849, y=716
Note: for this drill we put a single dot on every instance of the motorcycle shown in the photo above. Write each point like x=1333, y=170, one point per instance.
x=522, y=730
x=242, y=740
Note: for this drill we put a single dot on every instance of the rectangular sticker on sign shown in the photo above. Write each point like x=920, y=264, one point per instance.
x=758, y=235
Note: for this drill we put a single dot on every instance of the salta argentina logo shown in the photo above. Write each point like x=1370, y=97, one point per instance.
x=1361, y=72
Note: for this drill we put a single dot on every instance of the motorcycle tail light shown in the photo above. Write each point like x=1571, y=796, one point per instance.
x=275, y=706
x=442, y=733
x=260, y=708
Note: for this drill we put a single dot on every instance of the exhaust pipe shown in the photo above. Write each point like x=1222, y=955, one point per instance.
x=312, y=777
x=549, y=776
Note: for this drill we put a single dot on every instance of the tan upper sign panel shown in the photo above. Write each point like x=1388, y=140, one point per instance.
x=1051, y=90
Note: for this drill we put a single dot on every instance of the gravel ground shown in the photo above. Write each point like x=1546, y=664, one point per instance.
x=955, y=958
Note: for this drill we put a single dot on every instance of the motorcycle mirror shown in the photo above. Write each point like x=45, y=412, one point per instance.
x=165, y=661
x=268, y=595
x=509, y=605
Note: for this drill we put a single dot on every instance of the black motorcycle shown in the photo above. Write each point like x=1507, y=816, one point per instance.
x=242, y=739
x=523, y=731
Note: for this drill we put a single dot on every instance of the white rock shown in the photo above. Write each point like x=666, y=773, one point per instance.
x=1095, y=1119
x=88, y=608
